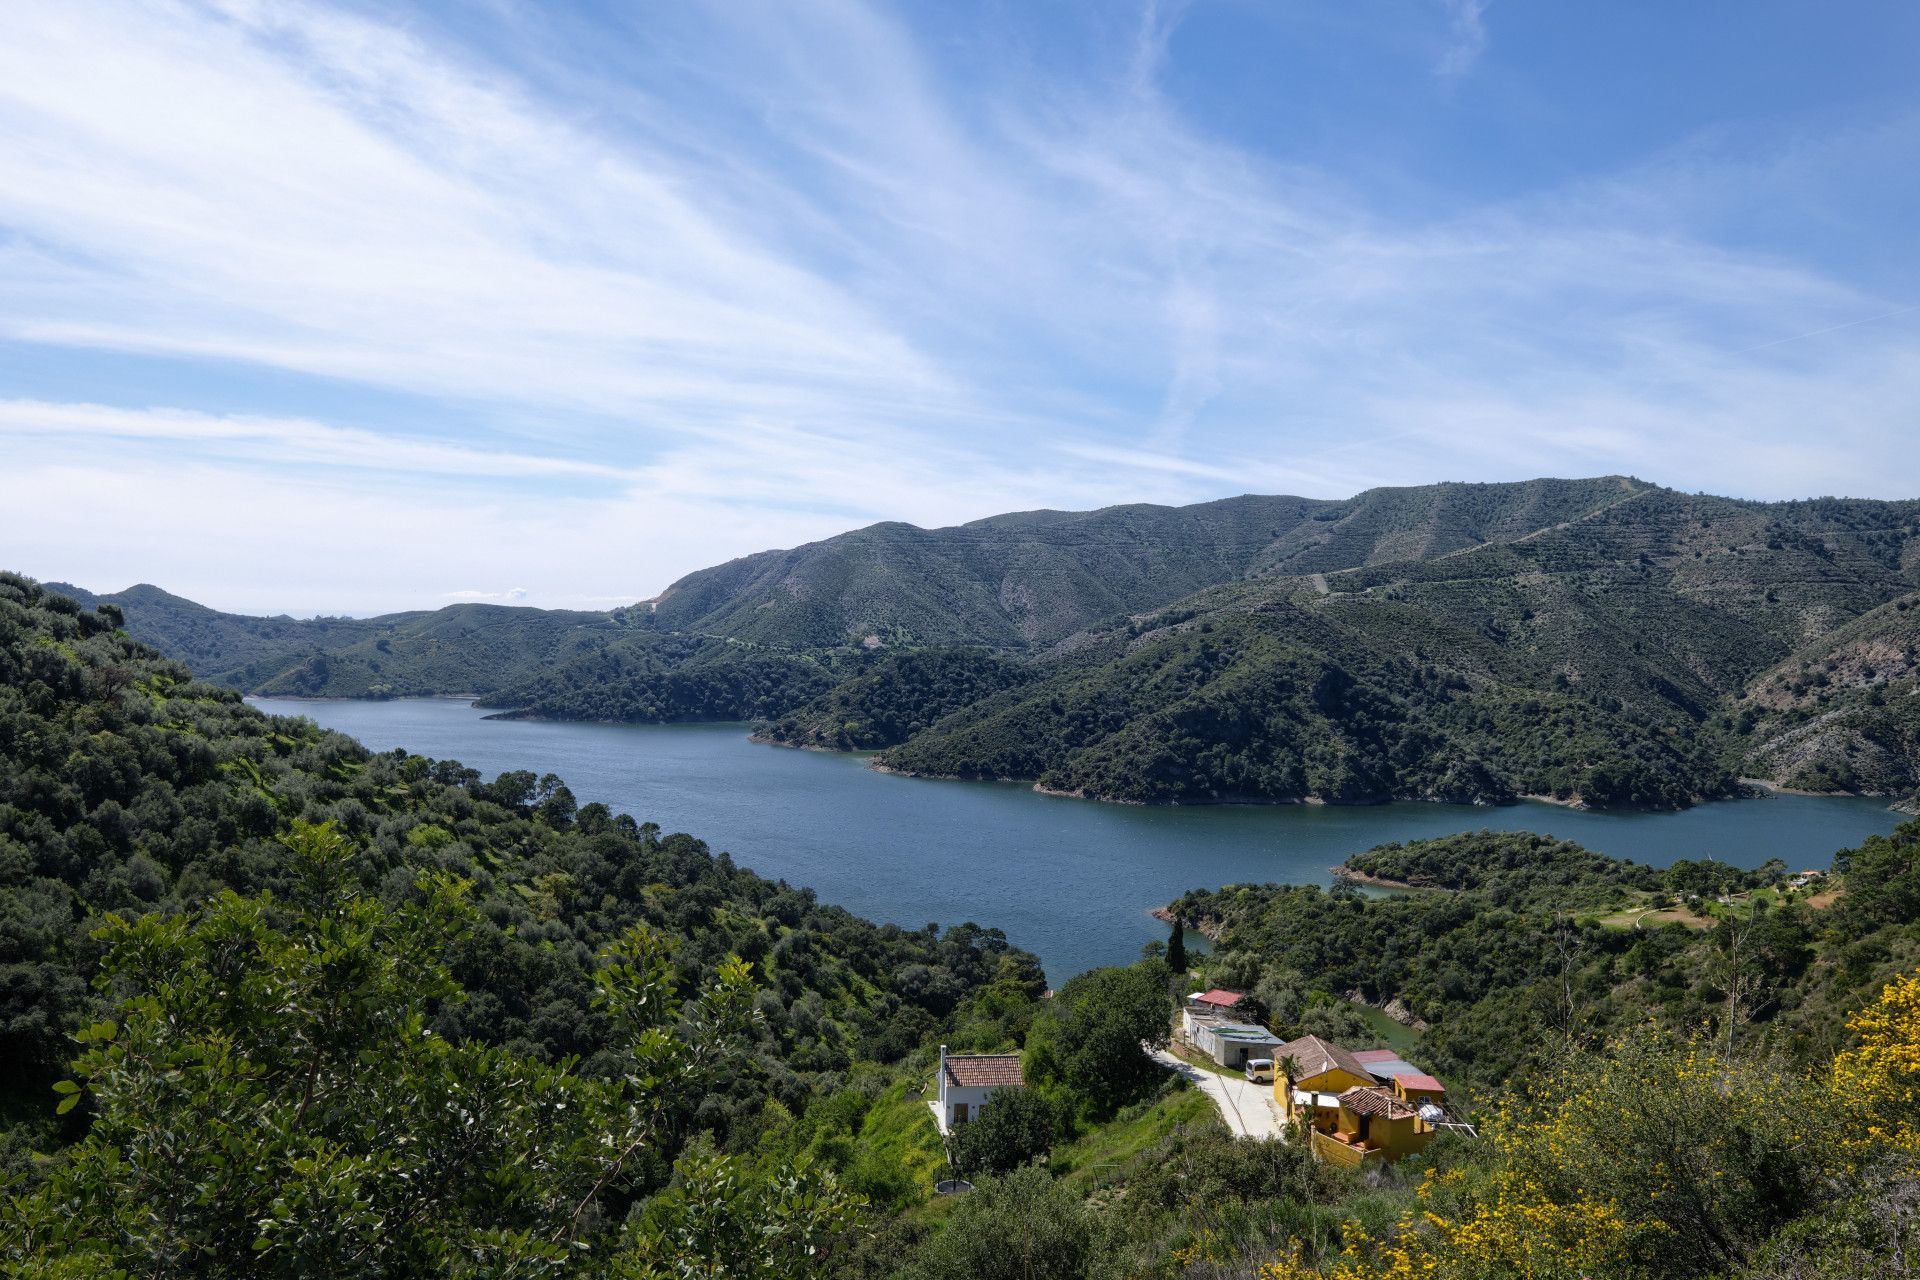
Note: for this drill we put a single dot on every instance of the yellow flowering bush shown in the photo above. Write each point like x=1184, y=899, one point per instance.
x=1657, y=1157
x=1879, y=1081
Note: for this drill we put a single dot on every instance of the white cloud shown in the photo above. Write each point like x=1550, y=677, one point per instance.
x=792, y=275
x=280, y=441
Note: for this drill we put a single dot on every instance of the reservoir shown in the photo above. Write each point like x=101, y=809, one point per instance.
x=1071, y=880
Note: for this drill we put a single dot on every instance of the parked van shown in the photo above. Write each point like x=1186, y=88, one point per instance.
x=1260, y=1070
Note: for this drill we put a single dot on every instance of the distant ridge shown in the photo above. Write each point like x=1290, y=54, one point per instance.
x=1602, y=641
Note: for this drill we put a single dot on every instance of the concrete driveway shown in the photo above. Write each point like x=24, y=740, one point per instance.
x=1247, y=1108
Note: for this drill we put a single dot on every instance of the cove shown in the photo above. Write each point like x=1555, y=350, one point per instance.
x=1070, y=880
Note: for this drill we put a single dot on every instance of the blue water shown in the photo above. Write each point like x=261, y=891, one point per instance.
x=1068, y=879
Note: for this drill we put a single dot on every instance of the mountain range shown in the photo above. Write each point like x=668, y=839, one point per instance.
x=1601, y=641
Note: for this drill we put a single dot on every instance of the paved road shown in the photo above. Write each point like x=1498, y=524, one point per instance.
x=1247, y=1108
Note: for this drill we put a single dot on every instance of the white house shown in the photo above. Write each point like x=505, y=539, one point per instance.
x=967, y=1080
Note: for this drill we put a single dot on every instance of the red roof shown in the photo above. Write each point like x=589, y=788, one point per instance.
x=1420, y=1084
x=1374, y=1055
x=984, y=1070
x=1225, y=999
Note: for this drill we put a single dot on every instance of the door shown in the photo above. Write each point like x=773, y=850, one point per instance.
x=959, y=1112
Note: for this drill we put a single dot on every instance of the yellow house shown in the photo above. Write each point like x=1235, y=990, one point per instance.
x=1373, y=1122
x=1321, y=1072
x=1359, y=1106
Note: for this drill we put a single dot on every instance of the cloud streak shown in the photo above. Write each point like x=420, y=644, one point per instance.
x=745, y=274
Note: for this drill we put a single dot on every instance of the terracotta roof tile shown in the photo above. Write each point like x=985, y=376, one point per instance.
x=984, y=1070
x=1421, y=1084
x=1372, y=1100
x=1315, y=1056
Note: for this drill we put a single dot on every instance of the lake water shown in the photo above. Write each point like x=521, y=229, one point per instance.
x=1070, y=880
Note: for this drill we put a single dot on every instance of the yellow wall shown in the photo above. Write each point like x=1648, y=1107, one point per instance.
x=1395, y=1138
x=1335, y=1080
x=1418, y=1096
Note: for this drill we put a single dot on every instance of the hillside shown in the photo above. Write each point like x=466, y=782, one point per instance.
x=274, y=1005
x=1522, y=939
x=1620, y=658
x=1036, y=577
x=128, y=787
x=463, y=648
x=1601, y=641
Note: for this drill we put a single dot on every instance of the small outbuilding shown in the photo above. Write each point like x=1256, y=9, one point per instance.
x=967, y=1080
x=1232, y=1044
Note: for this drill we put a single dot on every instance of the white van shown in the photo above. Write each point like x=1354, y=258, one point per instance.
x=1260, y=1070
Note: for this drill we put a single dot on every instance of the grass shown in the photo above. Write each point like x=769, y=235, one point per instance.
x=1104, y=1153
x=1709, y=912
x=898, y=1132
x=1635, y=917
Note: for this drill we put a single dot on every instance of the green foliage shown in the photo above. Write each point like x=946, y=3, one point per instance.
x=1883, y=878
x=717, y=1220
x=1513, y=866
x=660, y=680
x=1089, y=1038
x=1505, y=955
x=1024, y=1226
x=1702, y=1156
x=270, y=1101
x=897, y=698
x=1014, y=1128
x=128, y=788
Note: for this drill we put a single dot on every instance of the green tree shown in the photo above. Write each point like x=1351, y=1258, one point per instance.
x=1177, y=946
x=270, y=1102
x=1014, y=1128
x=1101, y=1025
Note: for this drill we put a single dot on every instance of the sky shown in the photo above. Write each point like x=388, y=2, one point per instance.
x=338, y=308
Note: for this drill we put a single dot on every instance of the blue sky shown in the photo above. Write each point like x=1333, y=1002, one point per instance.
x=323, y=307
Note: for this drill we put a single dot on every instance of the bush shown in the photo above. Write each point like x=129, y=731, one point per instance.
x=1014, y=1128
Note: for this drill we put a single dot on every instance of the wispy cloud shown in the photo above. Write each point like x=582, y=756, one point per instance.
x=784, y=269
x=1466, y=37
x=281, y=442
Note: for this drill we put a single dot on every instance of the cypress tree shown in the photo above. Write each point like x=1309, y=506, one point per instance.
x=1177, y=947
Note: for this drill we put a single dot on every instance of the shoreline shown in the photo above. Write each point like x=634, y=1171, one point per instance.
x=338, y=697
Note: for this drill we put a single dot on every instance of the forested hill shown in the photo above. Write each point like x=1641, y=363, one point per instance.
x=128, y=787
x=1512, y=940
x=1035, y=577
x=1647, y=654
x=1602, y=641
x=1009, y=582
x=274, y=1006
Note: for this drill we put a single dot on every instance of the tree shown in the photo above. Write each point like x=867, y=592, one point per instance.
x=1177, y=946
x=1014, y=1128
x=1103, y=1023
x=270, y=1101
